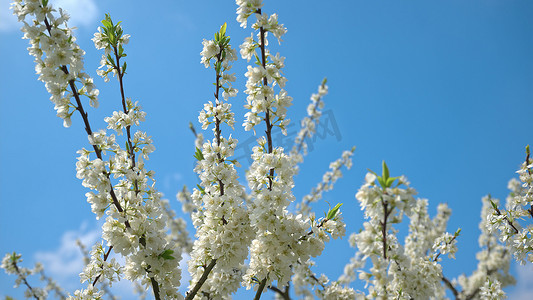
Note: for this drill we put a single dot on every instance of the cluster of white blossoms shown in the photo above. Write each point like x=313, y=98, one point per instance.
x=515, y=224
x=309, y=123
x=111, y=39
x=282, y=239
x=10, y=264
x=328, y=180
x=400, y=272
x=262, y=78
x=493, y=260
x=222, y=224
x=492, y=290
x=58, y=59
x=123, y=189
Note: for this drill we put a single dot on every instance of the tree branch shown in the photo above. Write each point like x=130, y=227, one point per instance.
x=198, y=285
x=260, y=289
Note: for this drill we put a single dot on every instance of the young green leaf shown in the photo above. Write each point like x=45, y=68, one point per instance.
x=223, y=29
x=198, y=154
x=332, y=213
x=167, y=254
x=385, y=172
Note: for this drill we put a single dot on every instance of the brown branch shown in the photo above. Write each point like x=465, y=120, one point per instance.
x=450, y=286
x=260, y=289
x=25, y=281
x=106, y=255
x=506, y=219
x=268, y=122
x=284, y=294
x=198, y=285
x=131, y=152
x=383, y=223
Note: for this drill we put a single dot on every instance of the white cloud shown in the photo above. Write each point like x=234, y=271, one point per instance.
x=524, y=283
x=171, y=181
x=8, y=21
x=66, y=262
x=82, y=13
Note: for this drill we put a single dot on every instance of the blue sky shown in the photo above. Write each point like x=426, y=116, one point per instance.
x=441, y=90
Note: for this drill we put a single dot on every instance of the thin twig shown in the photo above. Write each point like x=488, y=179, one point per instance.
x=25, y=281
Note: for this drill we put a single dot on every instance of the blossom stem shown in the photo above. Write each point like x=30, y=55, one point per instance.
x=306, y=132
x=106, y=255
x=269, y=125
x=198, y=285
x=217, y=121
x=530, y=210
x=386, y=213
x=131, y=152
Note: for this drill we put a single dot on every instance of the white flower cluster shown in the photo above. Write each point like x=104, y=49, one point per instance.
x=135, y=225
x=222, y=224
x=11, y=265
x=102, y=284
x=121, y=120
x=110, y=269
x=493, y=260
x=308, y=124
x=510, y=223
x=304, y=281
x=282, y=238
x=401, y=272
x=58, y=59
x=138, y=231
x=109, y=41
x=246, y=9
x=221, y=112
x=277, y=244
x=328, y=180
x=491, y=290
x=262, y=79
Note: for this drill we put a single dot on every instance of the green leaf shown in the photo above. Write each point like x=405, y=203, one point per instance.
x=494, y=205
x=332, y=213
x=198, y=154
x=382, y=182
x=45, y=3
x=324, y=81
x=385, y=172
x=111, y=60
x=223, y=29
x=167, y=254
x=106, y=23
x=527, y=150
x=201, y=189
